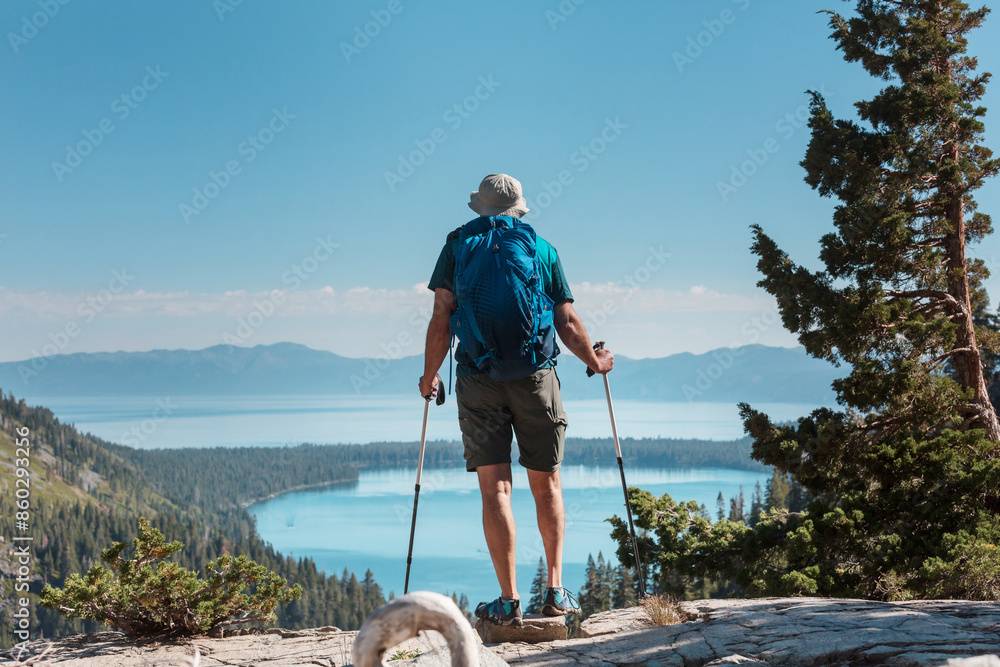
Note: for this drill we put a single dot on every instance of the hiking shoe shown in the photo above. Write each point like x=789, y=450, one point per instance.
x=559, y=602
x=502, y=611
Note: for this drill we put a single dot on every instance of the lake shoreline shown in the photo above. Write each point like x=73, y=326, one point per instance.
x=361, y=469
x=245, y=504
x=280, y=421
x=367, y=526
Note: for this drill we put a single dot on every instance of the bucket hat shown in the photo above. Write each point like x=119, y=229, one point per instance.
x=499, y=194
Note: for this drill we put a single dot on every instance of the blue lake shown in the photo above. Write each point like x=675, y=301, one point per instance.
x=191, y=421
x=367, y=525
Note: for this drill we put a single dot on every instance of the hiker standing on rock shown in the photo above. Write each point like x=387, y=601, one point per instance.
x=502, y=291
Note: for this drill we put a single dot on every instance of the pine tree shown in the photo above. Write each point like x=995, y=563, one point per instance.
x=905, y=479
x=538, y=587
x=589, y=594
x=898, y=295
x=777, y=491
x=896, y=303
x=756, y=505
x=720, y=505
x=143, y=596
x=798, y=496
x=736, y=508
x=991, y=358
x=605, y=584
x=624, y=593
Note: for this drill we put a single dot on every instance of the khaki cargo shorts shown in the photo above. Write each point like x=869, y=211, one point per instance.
x=490, y=413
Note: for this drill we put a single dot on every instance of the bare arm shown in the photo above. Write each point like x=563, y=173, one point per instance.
x=574, y=335
x=438, y=340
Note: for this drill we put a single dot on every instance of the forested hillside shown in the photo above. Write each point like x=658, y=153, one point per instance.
x=87, y=494
x=222, y=478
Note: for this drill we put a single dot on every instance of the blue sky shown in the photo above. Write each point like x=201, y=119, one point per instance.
x=234, y=186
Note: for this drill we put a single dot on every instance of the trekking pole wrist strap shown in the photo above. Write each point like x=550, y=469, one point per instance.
x=599, y=345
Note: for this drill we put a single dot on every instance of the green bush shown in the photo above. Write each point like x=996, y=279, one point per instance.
x=144, y=597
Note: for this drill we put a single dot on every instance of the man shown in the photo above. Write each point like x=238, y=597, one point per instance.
x=491, y=411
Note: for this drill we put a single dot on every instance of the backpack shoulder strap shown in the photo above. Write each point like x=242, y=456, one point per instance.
x=520, y=224
x=475, y=227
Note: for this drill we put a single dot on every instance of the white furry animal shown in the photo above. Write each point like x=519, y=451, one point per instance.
x=404, y=618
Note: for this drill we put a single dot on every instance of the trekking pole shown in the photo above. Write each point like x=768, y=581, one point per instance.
x=420, y=471
x=599, y=345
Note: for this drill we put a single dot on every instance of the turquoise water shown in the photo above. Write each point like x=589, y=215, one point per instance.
x=148, y=422
x=367, y=524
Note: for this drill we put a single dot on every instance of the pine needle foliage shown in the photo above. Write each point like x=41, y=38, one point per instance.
x=904, y=478
x=144, y=596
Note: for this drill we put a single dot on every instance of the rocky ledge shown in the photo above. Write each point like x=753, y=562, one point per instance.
x=797, y=632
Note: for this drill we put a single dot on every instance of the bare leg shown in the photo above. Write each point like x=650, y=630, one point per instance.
x=498, y=523
x=547, y=490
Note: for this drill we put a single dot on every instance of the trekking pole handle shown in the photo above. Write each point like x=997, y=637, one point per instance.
x=440, y=395
x=599, y=345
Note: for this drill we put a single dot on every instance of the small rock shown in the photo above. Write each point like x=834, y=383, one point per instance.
x=617, y=620
x=327, y=628
x=291, y=634
x=285, y=633
x=536, y=629
x=734, y=660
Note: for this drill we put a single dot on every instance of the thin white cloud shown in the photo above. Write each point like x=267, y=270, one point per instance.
x=61, y=305
x=56, y=305
x=698, y=298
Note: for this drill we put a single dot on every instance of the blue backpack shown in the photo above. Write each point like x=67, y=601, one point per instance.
x=504, y=317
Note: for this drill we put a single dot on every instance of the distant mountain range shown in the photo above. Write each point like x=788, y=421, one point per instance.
x=753, y=373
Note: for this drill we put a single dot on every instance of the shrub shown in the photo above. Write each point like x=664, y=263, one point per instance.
x=142, y=596
x=661, y=610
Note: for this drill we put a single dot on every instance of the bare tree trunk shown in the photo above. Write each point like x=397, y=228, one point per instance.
x=968, y=364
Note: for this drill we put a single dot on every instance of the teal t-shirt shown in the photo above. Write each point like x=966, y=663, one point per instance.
x=553, y=280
